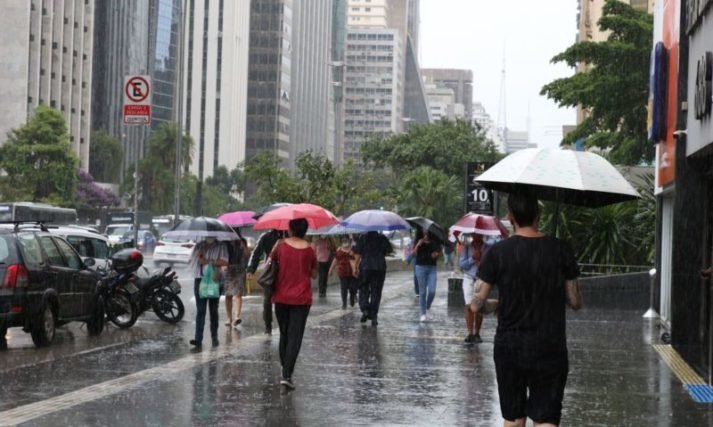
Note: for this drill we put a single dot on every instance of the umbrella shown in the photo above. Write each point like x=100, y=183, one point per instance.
x=333, y=230
x=375, y=220
x=263, y=210
x=279, y=219
x=486, y=225
x=199, y=228
x=238, y=218
x=428, y=226
x=563, y=176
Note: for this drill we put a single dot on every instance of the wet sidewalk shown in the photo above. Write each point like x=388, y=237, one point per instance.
x=401, y=372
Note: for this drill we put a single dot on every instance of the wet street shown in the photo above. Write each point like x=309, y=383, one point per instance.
x=400, y=372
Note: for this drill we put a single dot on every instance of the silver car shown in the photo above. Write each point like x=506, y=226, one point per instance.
x=173, y=251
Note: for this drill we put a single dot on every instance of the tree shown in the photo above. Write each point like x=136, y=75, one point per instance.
x=612, y=86
x=271, y=183
x=226, y=185
x=432, y=194
x=38, y=161
x=90, y=196
x=105, y=157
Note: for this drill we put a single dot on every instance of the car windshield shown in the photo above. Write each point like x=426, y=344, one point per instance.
x=118, y=231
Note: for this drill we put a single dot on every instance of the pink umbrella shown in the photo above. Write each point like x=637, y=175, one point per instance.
x=278, y=219
x=486, y=225
x=238, y=218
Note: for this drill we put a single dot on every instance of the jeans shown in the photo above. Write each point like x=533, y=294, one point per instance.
x=415, y=282
x=267, y=307
x=426, y=275
x=349, y=285
x=201, y=303
x=372, y=283
x=323, y=273
x=292, y=320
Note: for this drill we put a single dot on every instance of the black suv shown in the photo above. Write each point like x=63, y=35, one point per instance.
x=44, y=283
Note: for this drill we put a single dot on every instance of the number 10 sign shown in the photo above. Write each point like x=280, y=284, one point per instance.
x=478, y=199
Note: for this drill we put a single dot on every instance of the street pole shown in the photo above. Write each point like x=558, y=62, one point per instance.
x=179, y=120
x=136, y=192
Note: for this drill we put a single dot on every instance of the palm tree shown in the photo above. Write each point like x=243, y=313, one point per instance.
x=432, y=194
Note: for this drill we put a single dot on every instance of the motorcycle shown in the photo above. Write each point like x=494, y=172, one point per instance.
x=118, y=289
x=159, y=293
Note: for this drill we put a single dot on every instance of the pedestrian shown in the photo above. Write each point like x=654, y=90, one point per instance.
x=292, y=296
x=343, y=259
x=263, y=247
x=324, y=249
x=235, y=277
x=207, y=252
x=371, y=249
x=469, y=260
x=427, y=251
x=536, y=276
x=448, y=249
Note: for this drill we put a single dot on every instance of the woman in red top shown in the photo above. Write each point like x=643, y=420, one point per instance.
x=292, y=296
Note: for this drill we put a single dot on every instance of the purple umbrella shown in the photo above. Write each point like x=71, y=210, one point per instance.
x=375, y=220
x=238, y=218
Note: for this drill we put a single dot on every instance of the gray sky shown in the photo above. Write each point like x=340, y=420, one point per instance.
x=474, y=34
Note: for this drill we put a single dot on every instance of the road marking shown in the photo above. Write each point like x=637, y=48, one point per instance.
x=31, y=411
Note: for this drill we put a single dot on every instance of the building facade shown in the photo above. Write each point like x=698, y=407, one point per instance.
x=269, y=79
x=339, y=28
x=311, y=123
x=460, y=82
x=46, y=53
x=482, y=118
x=216, y=83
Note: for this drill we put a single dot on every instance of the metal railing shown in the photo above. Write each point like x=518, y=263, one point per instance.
x=609, y=269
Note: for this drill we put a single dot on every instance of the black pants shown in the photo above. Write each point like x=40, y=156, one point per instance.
x=372, y=283
x=292, y=320
x=323, y=273
x=201, y=303
x=267, y=307
x=349, y=286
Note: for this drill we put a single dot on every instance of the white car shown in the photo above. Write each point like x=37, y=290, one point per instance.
x=89, y=244
x=173, y=251
x=115, y=232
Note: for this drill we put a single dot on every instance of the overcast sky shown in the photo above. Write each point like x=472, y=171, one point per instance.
x=475, y=34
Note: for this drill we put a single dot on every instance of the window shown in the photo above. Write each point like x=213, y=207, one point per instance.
x=53, y=255
x=73, y=261
x=30, y=249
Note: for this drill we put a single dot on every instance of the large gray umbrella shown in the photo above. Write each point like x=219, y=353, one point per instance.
x=563, y=176
x=201, y=227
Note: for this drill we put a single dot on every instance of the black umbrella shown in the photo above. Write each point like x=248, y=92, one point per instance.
x=201, y=227
x=428, y=226
x=263, y=210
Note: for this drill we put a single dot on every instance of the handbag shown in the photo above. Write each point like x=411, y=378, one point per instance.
x=208, y=287
x=268, y=277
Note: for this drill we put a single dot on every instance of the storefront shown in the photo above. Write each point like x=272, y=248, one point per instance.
x=692, y=232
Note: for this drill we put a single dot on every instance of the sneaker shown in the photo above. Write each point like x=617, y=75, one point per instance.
x=194, y=343
x=352, y=302
x=374, y=322
x=268, y=330
x=287, y=382
x=469, y=339
x=477, y=339
x=344, y=306
x=364, y=318
x=238, y=321
x=215, y=342
x=423, y=318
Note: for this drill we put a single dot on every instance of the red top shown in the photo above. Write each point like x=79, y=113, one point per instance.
x=344, y=266
x=294, y=275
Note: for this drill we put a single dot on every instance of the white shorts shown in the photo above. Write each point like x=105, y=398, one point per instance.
x=469, y=289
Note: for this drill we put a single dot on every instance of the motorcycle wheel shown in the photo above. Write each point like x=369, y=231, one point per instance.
x=168, y=307
x=121, y=310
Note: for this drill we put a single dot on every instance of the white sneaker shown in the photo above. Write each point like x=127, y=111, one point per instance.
x=423, y=318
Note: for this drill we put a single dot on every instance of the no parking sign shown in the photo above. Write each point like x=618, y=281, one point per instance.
x=137, y=100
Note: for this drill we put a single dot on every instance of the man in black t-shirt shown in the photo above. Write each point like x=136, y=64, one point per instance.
x=371, y=250
x=536, y=276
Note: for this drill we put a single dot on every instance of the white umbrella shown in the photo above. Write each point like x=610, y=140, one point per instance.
x=563, y=176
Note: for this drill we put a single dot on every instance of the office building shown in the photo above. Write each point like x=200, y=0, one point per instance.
x=216, y=83
x=339, y=28
x=482, y=118
x=269, y=79
x=517, y=140
x=46, y=58
x=460, y=81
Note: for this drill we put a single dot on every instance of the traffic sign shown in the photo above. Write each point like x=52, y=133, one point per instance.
x=478, y=199
x=137, y=100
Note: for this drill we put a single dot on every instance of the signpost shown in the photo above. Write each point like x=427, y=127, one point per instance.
x=478, y=199
x=137, y=112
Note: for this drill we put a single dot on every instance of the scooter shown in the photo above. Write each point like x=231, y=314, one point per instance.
x=118, y=289
x=159, y=293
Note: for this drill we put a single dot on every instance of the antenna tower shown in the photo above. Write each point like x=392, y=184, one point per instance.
x=502, y=124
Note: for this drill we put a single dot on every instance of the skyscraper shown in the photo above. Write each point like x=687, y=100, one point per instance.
x=460, y=81
x=46, y=58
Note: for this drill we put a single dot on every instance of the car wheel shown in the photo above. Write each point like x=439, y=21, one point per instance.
x=43, y=327
x=95, y=324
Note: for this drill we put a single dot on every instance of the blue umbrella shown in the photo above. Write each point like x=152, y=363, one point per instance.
x=375, y=220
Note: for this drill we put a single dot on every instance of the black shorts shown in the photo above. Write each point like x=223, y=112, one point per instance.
x=531, y=385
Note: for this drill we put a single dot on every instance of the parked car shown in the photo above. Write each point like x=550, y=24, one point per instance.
x=173, y=251
x=89, y=244
x=147, y=241
x=44, y=283
x=115, y=233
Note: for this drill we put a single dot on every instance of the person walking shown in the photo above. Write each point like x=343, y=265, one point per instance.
x=324, y=249
x=371, y=249
x=471, y=254
x=263, y=247
x=343, y=259
x=292, y=296
x=235, y=277
x=209, y=251
x=536, y=276
x=427, y=251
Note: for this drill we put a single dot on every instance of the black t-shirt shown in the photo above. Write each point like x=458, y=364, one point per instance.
x=530, y=273
x=423, y=254
x=373, y=248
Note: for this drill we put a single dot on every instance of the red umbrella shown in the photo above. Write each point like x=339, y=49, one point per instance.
x=278, y=219
x=486, y=225
x=238, y=218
